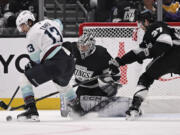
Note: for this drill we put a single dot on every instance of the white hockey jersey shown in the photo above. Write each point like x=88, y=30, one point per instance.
x=43, y=36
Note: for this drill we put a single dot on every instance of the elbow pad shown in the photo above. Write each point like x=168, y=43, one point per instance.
x=158, y=49
x=141, y=54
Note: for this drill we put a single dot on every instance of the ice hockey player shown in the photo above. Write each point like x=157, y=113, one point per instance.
x=48, y=61
x=98, y=95
x=157, y=44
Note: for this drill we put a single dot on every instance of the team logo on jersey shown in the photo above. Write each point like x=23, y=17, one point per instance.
x=82, y=73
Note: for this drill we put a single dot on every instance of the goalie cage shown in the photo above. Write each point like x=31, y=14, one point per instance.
x=119, y=38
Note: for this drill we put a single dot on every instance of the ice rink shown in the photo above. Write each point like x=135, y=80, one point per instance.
x=52, y=124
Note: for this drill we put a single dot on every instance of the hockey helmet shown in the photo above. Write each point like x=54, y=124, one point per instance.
x=23, y=18
x=146, y=15
x=86, y=45
x=60, y=24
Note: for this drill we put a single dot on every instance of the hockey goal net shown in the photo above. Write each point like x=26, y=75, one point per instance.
x=119, y=38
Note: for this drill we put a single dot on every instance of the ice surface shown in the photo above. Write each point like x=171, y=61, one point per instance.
x=52, y=124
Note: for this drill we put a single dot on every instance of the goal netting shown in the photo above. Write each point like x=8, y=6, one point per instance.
x=119, y=38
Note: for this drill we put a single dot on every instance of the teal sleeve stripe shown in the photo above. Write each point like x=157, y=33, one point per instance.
x=35, y=56
x=53, y=52
x=28, y=94
x=27, y=91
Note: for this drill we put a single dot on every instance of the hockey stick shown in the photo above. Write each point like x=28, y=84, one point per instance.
x=23, y=106
x=54, y=93
x=7, y=106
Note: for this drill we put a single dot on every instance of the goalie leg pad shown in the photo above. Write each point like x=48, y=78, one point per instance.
x=88, y=102
x=117, y=107
x=106, y=107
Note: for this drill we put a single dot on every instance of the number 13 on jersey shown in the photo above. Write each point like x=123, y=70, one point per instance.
x=54, y=34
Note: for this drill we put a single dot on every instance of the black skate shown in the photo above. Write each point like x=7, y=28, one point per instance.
x=134, y=111
x=30, y=114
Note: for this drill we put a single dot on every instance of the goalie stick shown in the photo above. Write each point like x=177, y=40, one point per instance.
x=54, y=93
x=7, y=106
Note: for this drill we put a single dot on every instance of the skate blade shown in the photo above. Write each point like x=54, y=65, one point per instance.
x=134, y=115
x=32, y=119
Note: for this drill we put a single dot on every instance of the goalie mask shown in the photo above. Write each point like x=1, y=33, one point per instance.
x=86, y=45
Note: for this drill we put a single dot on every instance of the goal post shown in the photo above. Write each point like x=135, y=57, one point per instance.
x=119, y=38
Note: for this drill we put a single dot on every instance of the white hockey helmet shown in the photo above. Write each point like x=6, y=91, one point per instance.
x=86, y=45
x=23, y=18
x=60, y=24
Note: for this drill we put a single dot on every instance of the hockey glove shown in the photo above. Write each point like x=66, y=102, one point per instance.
x=108, y=86
x=114, y=65
x=29, y=65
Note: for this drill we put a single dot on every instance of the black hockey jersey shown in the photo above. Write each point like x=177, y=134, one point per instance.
x=175, y=37
x=124, y=11
x=151, y=39
x=92, y=65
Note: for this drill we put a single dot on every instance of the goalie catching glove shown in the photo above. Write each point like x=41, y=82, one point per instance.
x=109, y=85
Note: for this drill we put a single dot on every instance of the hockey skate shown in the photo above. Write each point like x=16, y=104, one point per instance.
x=133, y=113
x=31, y=114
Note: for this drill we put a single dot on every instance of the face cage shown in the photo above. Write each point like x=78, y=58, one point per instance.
x=87, y=53
x=84, y=54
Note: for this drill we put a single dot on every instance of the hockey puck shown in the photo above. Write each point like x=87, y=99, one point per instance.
x=9, y=118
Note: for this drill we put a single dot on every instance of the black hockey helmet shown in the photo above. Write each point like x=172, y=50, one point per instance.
x=146, y=14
